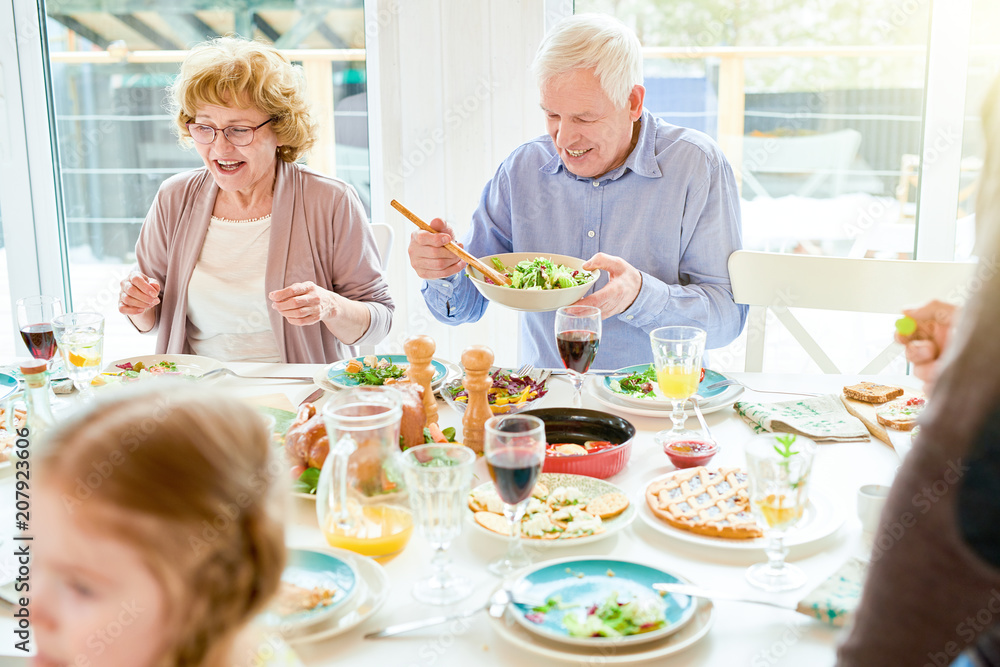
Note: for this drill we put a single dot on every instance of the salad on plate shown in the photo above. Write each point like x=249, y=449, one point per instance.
x=610, y=617
x=509, y=393
x=129, y=372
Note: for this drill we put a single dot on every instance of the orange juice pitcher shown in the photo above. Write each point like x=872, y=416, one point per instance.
x=361, y=501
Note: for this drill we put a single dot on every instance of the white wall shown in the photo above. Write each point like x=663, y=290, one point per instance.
x=455, y=98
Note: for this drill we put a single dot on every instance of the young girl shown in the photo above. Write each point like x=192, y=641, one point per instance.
x=155, y=543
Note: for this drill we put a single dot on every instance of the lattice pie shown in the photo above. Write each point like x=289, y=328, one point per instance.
x=707, y=502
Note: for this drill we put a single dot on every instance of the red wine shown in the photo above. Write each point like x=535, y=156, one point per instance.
x=514, y=472
x=40, y=340
x=577, y=349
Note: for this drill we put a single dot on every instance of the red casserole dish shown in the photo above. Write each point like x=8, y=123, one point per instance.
x=569, y=425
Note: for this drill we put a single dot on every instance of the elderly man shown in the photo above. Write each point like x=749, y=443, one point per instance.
x=654, y=206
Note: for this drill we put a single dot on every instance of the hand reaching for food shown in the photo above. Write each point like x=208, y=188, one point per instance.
x=925, y=332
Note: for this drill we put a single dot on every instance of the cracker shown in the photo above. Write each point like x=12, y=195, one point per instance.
x=494, y=522
x=608, y=505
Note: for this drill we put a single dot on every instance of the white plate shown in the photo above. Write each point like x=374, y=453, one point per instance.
x=591, y=488
x=617, y=404
x=189, y=363
x=821, y=519
x=374, y=584
x=322, y=379
x=311, y=568
x=520, y=637
x=658, y=401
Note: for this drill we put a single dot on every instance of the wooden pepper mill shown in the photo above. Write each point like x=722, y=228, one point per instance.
x=477, y=361
x=419, y=351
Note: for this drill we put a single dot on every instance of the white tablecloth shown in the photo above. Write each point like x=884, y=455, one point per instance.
x=741, y=634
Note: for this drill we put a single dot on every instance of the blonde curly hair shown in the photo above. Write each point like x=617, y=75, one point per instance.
x=194, y=487
x=229, y=70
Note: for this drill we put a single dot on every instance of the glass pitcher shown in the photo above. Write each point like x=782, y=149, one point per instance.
x=361, y=501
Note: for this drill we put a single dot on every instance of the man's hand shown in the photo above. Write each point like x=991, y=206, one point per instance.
x=304, y=303
x=138, y=294
x=428, y=257
x=624, y=283
x=925, y=345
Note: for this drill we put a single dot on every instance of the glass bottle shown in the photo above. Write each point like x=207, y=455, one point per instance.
x=36, y=396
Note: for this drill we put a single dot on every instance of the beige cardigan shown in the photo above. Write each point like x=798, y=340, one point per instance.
x=319, y=232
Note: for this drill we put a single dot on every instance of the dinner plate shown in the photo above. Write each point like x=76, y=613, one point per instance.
x=820, y=519
x=189, y=364
x=521, y=638
x=509, y=409
x=617, y=404
x=314, y=569
x=334, y=376
x=610, y=384
x=580, y=584
x=591, y=488
x=373, y=590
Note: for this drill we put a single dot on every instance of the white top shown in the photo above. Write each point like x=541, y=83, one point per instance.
x=227, y=307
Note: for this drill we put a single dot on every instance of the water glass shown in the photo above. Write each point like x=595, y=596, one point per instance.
x=438, y=478
x=80, y=337
x=778, y=468
x=514, y=446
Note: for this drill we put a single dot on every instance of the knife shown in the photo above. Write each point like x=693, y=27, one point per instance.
x=311, y=398
x=502, y=597
x=698, y=592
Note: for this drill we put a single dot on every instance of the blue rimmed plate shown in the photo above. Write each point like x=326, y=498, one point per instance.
x=584, y=582
x=8, y=385
x=611, y=385
x=336, y=375
x=314, y=569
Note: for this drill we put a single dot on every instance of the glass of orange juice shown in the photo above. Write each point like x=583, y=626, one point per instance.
x=677, y=353
x=361, y=499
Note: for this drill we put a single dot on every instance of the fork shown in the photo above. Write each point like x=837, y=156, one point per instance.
x=523, y=370
x=225, y=371
x=730, y=381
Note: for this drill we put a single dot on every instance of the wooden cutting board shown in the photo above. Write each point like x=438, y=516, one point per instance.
x=866, y=413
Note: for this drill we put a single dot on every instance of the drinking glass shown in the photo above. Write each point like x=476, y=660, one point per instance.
x=677, y=355
x=578, y=335
x=34, y=320
x=361, y=498
x=438, y=478
x=515, y=451
x=778, y=466
x=80, y=337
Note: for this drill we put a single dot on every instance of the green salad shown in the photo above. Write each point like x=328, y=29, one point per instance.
x=639, y=385
x=541, y=273
x=609, y=618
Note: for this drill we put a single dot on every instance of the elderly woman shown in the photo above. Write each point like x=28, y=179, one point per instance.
x=253, y=257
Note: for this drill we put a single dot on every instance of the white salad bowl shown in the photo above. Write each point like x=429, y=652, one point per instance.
x=531, y=300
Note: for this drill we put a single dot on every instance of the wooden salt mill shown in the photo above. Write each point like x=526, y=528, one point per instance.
x=419, y=351
x=477, y=361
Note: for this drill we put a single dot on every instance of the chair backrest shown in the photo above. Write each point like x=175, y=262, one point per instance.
x=778, y=282
x=827, y=157
x=383, y=240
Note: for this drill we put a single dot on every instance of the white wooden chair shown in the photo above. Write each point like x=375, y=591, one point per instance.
x=825, y=157
x=383, y=240
x=778, y=282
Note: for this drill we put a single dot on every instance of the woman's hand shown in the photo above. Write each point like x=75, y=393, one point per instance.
x=139, y=295
x=925, y=345
x=305, y=303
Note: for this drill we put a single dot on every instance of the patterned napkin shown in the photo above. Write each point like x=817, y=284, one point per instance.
x=836, y=599
x=823, y=418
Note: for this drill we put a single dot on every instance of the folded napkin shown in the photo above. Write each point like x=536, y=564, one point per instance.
x=836, y=599
x=823, y=419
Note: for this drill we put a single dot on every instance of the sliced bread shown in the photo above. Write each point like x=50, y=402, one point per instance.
x=900, y=415
x=870, y=392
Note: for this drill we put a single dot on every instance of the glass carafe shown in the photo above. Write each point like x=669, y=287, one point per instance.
x=361, y=501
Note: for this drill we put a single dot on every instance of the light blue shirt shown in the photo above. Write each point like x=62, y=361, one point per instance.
x=672, y=211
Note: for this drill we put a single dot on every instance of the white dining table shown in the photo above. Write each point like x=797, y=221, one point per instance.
x=740, y=634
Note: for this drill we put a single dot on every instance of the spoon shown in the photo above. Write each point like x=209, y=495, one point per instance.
x=701, y=418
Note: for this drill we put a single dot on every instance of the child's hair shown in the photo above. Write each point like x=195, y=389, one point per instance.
x=189, y=481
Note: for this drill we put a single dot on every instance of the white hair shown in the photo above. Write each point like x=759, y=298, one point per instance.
x=592, y=41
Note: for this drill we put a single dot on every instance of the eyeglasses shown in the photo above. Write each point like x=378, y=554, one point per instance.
x=237, y=135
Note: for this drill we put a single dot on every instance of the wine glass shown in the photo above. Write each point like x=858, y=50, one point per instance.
x=778, y=466
x=80, y=337
x=677, y=356
x=438, y=477
x=34, y=320
x=578, y=335
x=515, y=451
